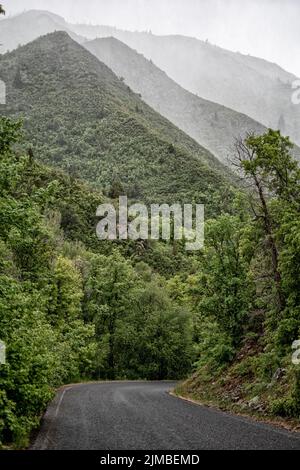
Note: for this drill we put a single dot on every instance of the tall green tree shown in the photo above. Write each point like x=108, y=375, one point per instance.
x=225, y=287
x=265, y=162
x=110, y=303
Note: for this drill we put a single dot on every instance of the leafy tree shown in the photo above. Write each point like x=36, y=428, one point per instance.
x=143, y=334
x=36, y=282
x=265, y=161
x=225, y=286
x=164, y=335
x=245, y=297
x=110, y=304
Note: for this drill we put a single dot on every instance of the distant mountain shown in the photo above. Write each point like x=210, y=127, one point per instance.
x=82, y=118
x=20, y=29
x=213, y=126
x=249, y=85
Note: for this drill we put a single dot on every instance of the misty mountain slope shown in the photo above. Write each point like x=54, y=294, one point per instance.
x=82, y=118
x=21, y=29
x=246, y=84
x=249, y=85
x=269, y=69
x=213, y=126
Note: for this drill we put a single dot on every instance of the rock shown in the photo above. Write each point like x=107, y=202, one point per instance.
x=242, y=405
x=254, y=403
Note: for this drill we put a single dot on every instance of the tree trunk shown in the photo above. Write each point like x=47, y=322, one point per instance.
x=272, y=245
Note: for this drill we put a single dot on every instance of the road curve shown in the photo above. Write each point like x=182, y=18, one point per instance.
x=142, y=415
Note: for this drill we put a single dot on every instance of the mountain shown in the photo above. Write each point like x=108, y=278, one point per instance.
x=211, y=125
x=249, y=85
x=21, y=29
x=82, y=118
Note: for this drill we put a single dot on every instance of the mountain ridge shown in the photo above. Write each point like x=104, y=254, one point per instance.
x=84, y=119
x=213, y=126
x=23, y=28
x=249, y=85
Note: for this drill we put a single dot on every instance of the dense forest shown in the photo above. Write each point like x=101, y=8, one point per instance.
x=73, y=308
x=246, y=293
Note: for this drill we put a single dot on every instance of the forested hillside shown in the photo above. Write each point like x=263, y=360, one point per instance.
x=211, y=125
x=245, y=296
x=80, y=117
x=72, y=307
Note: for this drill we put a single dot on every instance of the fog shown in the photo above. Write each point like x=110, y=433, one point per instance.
x=263, y=28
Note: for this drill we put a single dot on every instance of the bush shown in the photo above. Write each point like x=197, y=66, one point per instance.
x=290, y=406
x=214, y=347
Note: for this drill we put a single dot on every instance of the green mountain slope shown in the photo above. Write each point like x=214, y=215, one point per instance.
x=211, y=125
x=59, y=285
x=82, y=118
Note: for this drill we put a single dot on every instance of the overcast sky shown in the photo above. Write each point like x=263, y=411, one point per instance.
x=264, y=28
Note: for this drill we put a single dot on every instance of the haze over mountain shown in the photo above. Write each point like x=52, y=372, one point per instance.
x=246, y=84
x=82, y=118
x=21, y=29
x=213, y=126
x=249, y=85
x=261, y=28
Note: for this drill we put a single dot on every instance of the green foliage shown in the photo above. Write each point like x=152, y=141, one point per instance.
x=245, y=296
x=163, y=336
x=273, y=162
x=265, y=365
x=70, y=308
x=214, y=347
x=225, y=287
x=9, y=134
x=143, y=334
x=289, y=406
x=40, y=311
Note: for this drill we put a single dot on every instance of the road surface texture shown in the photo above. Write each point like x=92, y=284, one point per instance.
x=143, y=416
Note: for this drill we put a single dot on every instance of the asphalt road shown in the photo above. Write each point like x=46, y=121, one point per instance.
x=142, y=415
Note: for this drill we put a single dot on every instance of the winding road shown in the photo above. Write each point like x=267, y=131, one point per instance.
x=142, y=415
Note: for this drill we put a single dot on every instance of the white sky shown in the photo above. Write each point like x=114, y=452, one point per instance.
x=265, y=28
